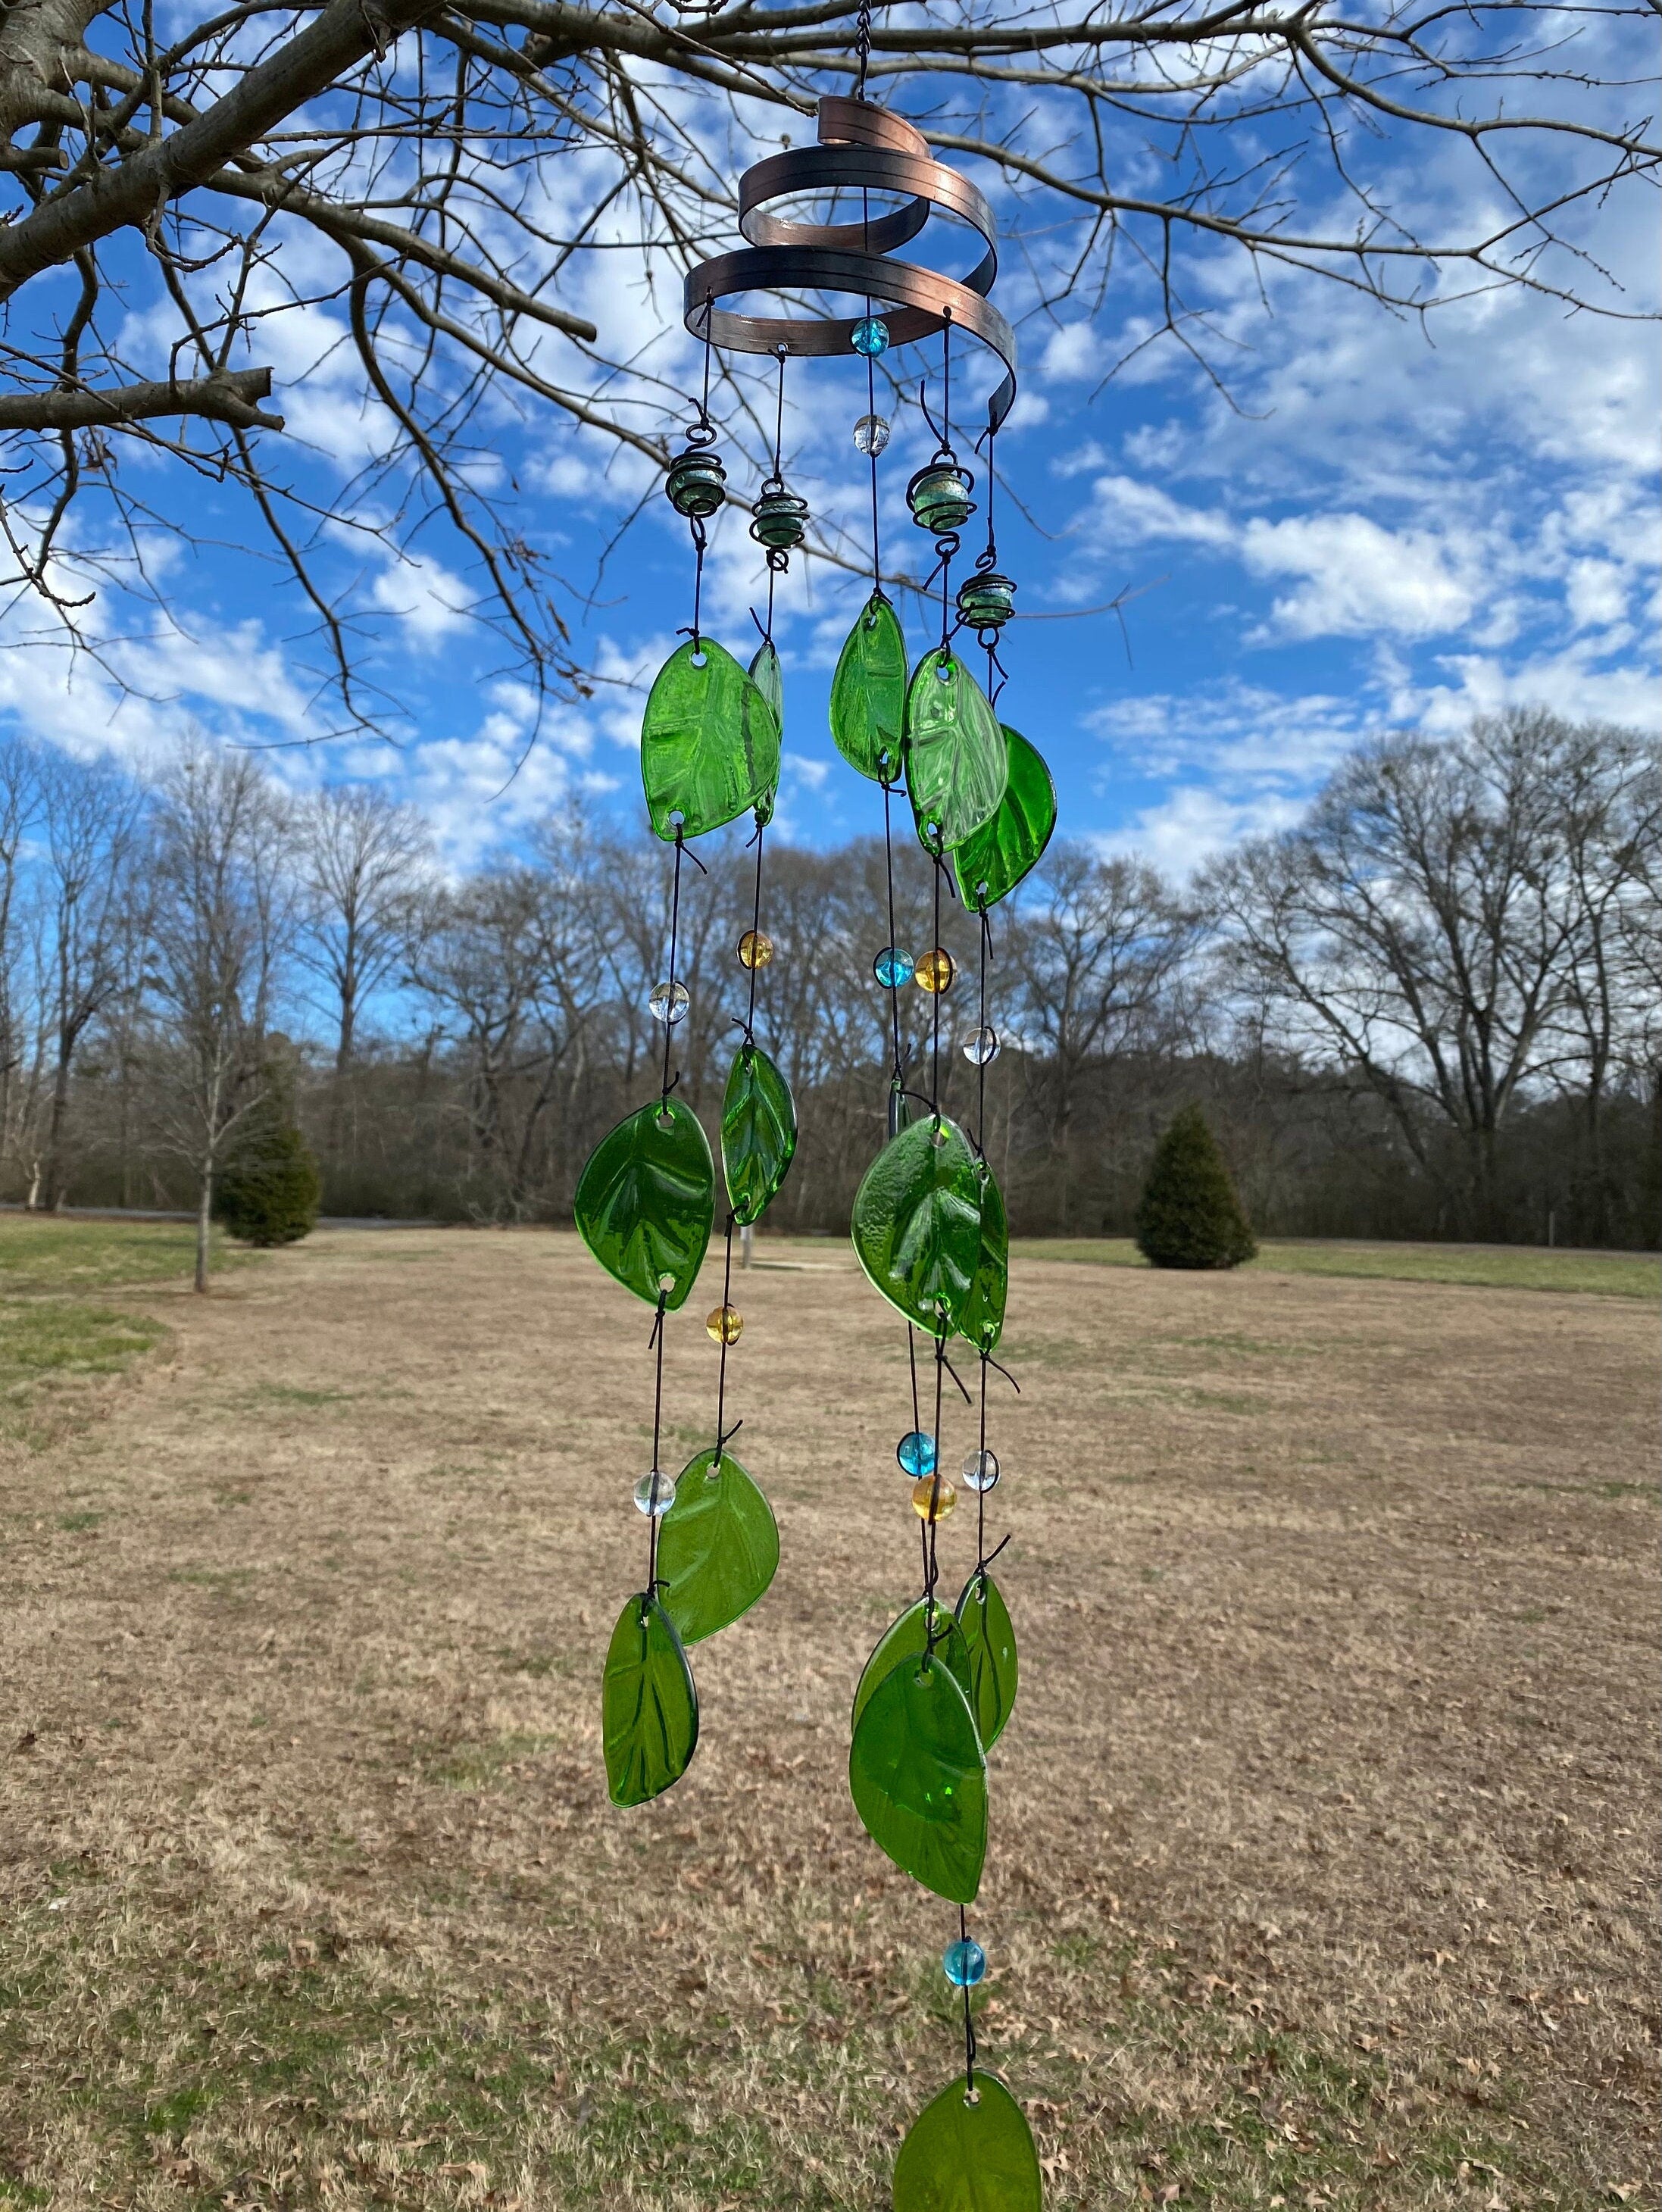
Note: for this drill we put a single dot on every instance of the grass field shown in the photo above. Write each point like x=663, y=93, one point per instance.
x=1481, y=1267
x=1322, y=1868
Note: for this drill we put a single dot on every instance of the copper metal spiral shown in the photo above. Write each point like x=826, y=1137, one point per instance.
x=862, y=147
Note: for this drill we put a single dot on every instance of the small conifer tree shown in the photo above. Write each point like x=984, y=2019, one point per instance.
x=270, y=1189
x=1188, y=1215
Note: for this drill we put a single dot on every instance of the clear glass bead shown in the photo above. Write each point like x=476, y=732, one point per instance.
x=916, y=1453
x=965, y=1963
x=892, y=966
x=933, y=1497
x=870, y=433
x=981, y=1470
x=756, y=949
x=870, y=336
x=655, y=1494
x=935, y=972
x=723, y=1325
x=981, y=1046
x=668, y=1002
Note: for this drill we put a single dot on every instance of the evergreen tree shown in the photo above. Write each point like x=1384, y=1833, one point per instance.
x=1188, y=1215
x=270, y=1191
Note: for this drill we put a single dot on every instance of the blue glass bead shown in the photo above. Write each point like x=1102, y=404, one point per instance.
x=916, y=1453
x=870, y=336
x=892, y=966
x=965, y=1963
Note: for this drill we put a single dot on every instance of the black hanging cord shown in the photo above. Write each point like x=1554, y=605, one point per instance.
x=970, y=2045
x=980, y=1072
x=654, y=1516
x=755, y=932
x=937, y=996
x=897, y=1071
x=776, y=560
x=946, y=442
x=675, y=938
x=863, y=47
x=721, y=1372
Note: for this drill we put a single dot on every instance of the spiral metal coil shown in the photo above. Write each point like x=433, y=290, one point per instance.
x=861, y=148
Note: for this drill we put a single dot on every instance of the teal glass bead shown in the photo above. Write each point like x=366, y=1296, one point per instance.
x=870, y=336
x=916, y=1454
x=981, y=1470
x=965, y=1963
x=781, y=520
x=696, y=483
x=986, y=600
x=939, y=496
x=892, y=966
x=655, y=1494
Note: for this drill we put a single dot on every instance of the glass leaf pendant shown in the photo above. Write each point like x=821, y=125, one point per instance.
x=956, y=762
x=867, y=692
x=971, y=2150
x=709, y=742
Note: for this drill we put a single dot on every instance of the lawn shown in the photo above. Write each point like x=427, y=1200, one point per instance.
x=1482, y=1267
x=60, y=1333
x=1321, y=1874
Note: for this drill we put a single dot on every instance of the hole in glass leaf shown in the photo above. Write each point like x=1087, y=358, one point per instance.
x=700, y=659
x=971, y=2096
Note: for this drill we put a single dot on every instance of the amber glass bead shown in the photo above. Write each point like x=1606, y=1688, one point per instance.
x=756, y=949
x=723, y=1325
x=933, y=1497
x=935, y=972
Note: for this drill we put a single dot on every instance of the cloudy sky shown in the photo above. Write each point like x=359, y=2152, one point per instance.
x=1338, y=521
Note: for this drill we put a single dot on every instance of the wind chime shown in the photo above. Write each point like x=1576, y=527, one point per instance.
x=929, y=1222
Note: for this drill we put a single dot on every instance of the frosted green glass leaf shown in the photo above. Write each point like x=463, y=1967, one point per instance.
x=647, y=1199
x=769, y=679
x=918, y=1779
x=709, y=743
x=969, y=2157
x=990, y=863
x=718, y=1548
x=758, y=1134
x=867, y=692
x=909, y=1635
x=994, y=1672
x=917, y=1222
x=648, y=1705
x=956, y=761
x=982, y=1320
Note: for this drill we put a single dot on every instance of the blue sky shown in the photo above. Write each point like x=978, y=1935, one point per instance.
x=1378, y=522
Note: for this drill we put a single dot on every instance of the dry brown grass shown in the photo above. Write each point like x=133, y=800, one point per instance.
x=1321, y=1867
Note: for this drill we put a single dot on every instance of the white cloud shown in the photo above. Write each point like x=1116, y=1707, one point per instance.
x=1358, y=578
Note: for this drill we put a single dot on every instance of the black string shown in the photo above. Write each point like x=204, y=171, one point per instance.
x=911, y=1360
x=755, y=932
x=721, y=1372
x=946, y=442
x=981, y=1495
x=970, y=2045
x=981, y=1039
x=897, y=1072
x=657, y=1428
x=936, y=995
x=675, y=935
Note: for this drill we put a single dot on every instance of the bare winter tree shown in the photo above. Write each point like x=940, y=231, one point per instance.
x=365, y=862
x=477, y=201
x=20, y=798
x=90, y=818
x=224, y=908
x=1428, y=926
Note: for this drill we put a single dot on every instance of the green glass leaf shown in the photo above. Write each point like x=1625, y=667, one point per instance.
x=758, y=1134
x=918, y=1778
x=909, y=1636
x=647, y=1199
x=990, y=863
x=917, y=1222
x=769, y=679
x=994, y=1672
x=718, y=1548
x=867, y=692
x=709, y=743
x=648, y=1705
x=956, y=760
x=959, y=2157
x=982, y=1320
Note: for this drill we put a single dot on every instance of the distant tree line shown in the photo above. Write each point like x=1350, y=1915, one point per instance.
x=1431, y=1009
